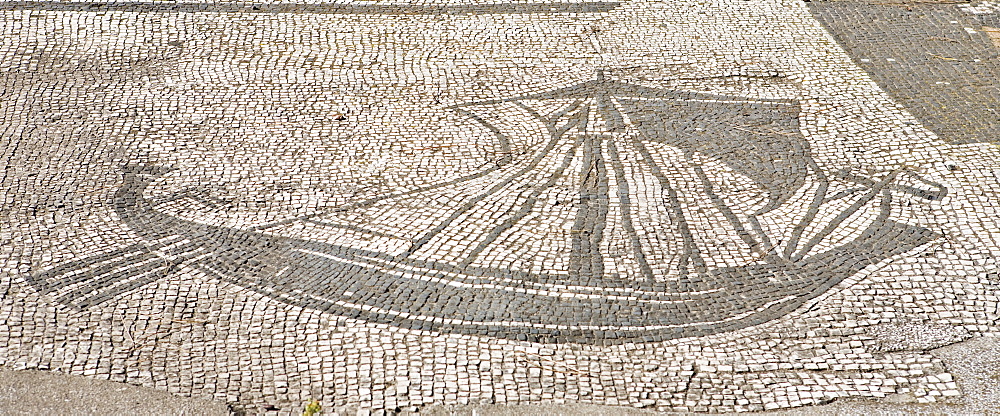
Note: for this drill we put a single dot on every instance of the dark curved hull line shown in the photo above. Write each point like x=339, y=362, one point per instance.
x=426, y=295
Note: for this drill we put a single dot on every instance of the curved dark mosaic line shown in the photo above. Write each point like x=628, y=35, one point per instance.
x=366, y=285
x=587, y=305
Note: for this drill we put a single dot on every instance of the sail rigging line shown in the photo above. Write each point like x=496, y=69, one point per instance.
x=625, y=207
x=811, y=212
x=734, y=221
x=424, y=239
x=843, y=216
x=691, y=253
x=526, y=206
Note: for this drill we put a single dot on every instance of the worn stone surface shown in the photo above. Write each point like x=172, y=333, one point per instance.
x=683, y=206
x=48, y=393
x=937, y=59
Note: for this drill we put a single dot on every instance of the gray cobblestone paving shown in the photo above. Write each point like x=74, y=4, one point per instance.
x=935, y=59
x=685, y=206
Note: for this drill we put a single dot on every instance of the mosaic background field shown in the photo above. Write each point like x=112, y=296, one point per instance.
x=271, y=121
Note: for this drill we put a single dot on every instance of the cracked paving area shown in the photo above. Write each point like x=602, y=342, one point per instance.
x=684, y=206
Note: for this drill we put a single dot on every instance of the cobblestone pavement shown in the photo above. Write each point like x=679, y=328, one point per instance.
x=680, y=206
x=938, y=60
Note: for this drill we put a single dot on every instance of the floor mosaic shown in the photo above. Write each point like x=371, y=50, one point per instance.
x=687, y=206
